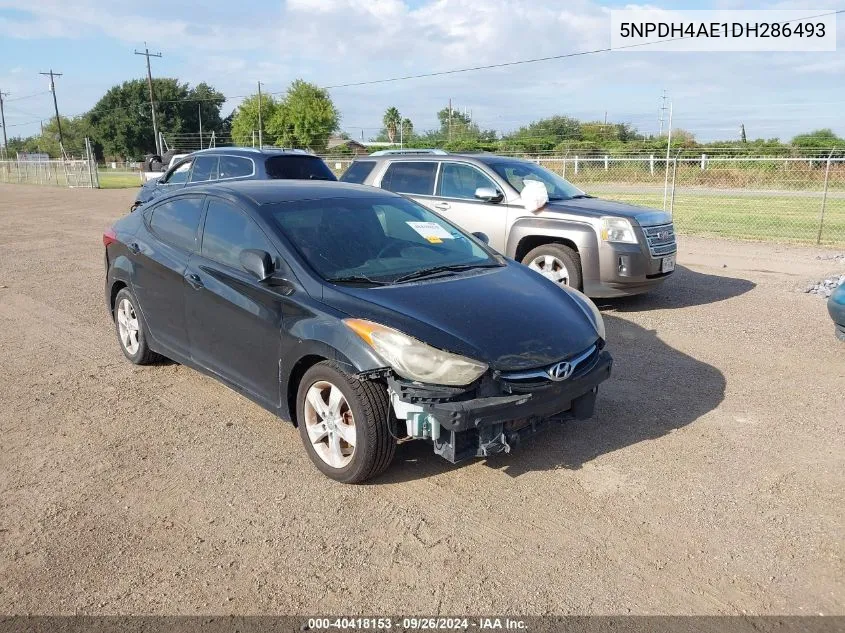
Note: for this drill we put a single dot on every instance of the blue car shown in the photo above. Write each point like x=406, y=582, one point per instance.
x=836, y=307
x=228, y=164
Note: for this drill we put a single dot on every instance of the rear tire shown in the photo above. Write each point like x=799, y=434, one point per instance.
x=131, y=330
x=556, y=262
x=343, y=423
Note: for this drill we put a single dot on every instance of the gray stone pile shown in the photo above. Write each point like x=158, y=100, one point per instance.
x=834, y=257
x=826, y=286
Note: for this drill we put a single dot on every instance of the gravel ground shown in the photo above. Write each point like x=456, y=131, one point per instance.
x=711, y=481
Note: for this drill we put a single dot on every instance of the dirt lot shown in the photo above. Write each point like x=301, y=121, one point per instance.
x=712, y=479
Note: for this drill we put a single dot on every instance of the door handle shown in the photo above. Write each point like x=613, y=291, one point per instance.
x=134, y=248
x=194, y=281
x=441, y=206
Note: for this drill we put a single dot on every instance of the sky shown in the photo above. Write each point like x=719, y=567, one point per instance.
x=233, y=45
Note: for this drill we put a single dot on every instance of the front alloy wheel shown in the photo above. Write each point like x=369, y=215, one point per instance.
x=330, y=424
x=344, y=423
x=556, y=262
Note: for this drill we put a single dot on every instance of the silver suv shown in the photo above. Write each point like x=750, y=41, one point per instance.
x=606, y=249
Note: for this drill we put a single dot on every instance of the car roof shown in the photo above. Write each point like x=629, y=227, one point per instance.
x=259, y=192
x=484, y=157
x=252, y=151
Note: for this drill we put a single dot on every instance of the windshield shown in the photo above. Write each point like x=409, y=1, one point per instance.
x=517, y=172
x=375, y=240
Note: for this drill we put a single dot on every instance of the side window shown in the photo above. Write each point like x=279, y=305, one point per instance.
x=227, y=232
x=410, y=177
x=205, y=169
x=358, y=171
x=460, y=181
x=179, y=176
x=176, y=221
x=235, y=167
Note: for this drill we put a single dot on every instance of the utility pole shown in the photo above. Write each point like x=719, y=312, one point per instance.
x=199, y=114
x=661, y=113
x=52, y=76
x=450, y=119
x=3, y=119
x=260, y=126
x=148, y=54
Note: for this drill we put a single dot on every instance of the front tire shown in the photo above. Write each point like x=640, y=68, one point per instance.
x=131, y=331
x=343, y=423
x=556, y=262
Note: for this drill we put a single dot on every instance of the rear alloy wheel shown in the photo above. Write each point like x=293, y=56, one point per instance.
x=130, y=330
x=556, y=262
x=343, y=423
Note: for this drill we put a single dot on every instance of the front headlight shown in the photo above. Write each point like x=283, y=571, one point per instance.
x=591, y=310
x=617, y=230
x=413, y=359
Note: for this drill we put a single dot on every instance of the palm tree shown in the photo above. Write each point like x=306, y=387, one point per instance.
x=407, y=130
x=392, y=120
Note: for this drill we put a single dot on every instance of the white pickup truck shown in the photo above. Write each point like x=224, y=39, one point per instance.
x=154, y=167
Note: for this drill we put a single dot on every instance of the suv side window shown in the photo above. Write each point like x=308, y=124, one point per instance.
x=235, y=167
x=228, y=231
x=458, y=180
x=358, y=171
x=176, y=221
x=410, y=177
x=178, y=176
x=205, y=169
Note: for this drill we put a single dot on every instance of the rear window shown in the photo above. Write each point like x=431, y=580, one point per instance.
x=358, y=171
x=293, y=167
x=410, y=177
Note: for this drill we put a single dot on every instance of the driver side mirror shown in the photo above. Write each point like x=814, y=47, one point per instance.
x=482, y=236
x=257, y=262
x=489, y=194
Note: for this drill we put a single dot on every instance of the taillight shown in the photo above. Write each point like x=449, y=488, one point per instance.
x=109, y=237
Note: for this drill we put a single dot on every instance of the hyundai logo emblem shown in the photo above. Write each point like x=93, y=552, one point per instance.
x=560, y=371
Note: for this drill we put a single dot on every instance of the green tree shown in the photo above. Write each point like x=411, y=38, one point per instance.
x=407, y=130
x=306, y=118
x=122, y=123
x=822, y=139
x=245, y=118
x=392, y=120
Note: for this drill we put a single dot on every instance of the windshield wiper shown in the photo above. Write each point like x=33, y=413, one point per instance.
x=581, y=195
x=361, y=279
x=435, y=270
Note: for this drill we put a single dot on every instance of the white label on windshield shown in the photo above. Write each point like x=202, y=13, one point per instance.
x=431, y=231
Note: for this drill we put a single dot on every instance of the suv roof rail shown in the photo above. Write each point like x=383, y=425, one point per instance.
x=412, y=151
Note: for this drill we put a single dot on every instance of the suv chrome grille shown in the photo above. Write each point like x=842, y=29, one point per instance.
x=661, y=239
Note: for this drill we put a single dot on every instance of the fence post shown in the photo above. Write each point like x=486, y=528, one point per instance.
x=824, y=197
x=605, y=162
x=674, y=175
x=576, y=164
x=651, y=164
x=703, y=161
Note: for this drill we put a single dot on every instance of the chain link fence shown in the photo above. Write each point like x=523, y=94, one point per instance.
x=75, y=169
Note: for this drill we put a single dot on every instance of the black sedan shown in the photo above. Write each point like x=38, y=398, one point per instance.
x=358, y=314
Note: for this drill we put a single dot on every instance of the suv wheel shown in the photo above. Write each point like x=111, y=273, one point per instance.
x=557, y=262
x=343, y=423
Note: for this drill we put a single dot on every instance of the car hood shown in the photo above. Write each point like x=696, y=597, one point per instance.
x=596, y=207
x=510, y=318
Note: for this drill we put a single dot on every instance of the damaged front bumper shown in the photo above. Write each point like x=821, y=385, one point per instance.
x=495, y=413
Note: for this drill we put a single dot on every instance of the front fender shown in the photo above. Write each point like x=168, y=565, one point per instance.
x=582, y=234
